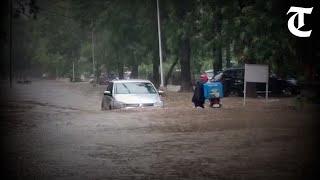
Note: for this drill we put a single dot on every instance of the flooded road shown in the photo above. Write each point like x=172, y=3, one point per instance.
x=55, y=130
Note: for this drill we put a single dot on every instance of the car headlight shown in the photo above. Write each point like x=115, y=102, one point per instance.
x=158, y=104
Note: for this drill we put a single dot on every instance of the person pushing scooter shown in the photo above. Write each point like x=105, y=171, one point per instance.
x=198, y=98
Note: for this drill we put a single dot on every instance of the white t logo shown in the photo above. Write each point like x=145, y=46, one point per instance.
x=300, y=11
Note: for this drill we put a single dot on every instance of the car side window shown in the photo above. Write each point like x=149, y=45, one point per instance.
x=110, y=87
x=228, y=74
x=239, y=74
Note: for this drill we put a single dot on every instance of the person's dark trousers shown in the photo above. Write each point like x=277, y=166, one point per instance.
x=198, y=104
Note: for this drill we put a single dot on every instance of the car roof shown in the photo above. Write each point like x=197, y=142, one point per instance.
x=235, y=68
x=130, y=80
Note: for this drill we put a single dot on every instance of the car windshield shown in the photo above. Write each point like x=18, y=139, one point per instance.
x=134, y=88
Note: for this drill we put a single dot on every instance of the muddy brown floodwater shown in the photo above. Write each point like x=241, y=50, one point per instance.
x=55, y=130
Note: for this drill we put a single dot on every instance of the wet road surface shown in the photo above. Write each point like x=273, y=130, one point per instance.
x=55, y=130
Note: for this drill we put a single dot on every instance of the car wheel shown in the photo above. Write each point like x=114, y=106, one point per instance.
x=287, y=91
x=226, y=94
x=234, y=93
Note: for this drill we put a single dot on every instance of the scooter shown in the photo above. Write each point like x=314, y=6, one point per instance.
x=215, y=99
x=213, y=91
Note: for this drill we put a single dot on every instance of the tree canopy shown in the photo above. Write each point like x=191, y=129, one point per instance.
x=114, y=36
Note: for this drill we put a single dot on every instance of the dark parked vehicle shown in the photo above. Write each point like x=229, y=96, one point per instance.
x=233, y=79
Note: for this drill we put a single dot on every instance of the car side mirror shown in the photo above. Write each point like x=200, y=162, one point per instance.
x=161, y=92
x=108, y=93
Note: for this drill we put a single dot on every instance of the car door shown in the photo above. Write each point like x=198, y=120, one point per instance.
x=227, y=82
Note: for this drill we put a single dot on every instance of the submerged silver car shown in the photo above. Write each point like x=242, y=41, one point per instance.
x=130, y=94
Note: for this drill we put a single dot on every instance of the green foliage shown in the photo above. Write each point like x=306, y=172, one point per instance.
x=125, y=35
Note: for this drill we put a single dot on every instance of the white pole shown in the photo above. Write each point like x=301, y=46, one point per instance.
x=244, y=92
x=11, y=45
x=160, y=48
x=267, y=84
x=93, y=62
x=73, y=71
x=267, y=91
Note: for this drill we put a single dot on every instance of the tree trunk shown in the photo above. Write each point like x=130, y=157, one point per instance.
x=120, y=70
x=228, y=56
x=175, y=62
x=186, y=85
x=155, y=71
x=307, y=57
x=134, y=70
x=164, y=46
x=217, y=61
x=217, y=48
x=280, y=71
